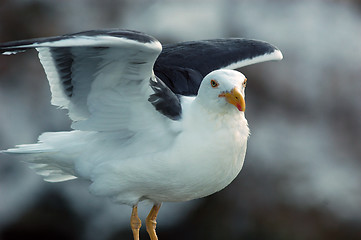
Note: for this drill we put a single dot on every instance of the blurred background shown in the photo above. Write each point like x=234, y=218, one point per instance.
x=302, y=174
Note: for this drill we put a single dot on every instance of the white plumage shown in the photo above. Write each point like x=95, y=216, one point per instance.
x=136, y=138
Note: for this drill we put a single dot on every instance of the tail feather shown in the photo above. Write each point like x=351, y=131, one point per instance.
x=29, y=149
x=51, y=173
x=45, y=161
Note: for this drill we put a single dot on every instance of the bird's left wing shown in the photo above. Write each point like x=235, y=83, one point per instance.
x=182, y=66
x=101, y=77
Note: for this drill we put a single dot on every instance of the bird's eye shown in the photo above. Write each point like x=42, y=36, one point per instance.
x=214, y=83
x=244, y=84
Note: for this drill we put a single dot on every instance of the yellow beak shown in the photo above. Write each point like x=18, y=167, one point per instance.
x=235, y=98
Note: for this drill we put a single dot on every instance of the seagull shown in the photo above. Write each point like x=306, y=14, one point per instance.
x=149, y=123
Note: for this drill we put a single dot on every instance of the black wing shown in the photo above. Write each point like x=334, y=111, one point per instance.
x=182, y=66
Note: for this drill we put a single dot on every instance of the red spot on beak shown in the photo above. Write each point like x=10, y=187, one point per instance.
x=239, y=107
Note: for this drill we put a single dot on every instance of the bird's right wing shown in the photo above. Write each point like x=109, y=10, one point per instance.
x=102, y=77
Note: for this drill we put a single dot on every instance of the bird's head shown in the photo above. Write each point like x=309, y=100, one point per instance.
x=223, y=90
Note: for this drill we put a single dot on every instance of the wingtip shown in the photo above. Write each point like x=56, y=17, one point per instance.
x=278, y=55
x=7, y=53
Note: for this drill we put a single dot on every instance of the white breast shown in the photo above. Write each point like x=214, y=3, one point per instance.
x=206, y=156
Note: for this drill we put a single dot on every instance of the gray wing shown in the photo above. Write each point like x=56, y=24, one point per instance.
x=101, y=77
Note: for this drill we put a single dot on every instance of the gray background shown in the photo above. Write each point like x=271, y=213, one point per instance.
x=302, y=175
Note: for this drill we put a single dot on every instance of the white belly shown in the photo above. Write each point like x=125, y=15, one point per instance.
x=198, y=167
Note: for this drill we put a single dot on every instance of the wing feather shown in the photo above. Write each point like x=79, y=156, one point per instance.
x=101, y=77
x=182, y=66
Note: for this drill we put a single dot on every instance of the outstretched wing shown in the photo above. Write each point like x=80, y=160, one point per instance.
x=182, y=66
x=101, y=77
